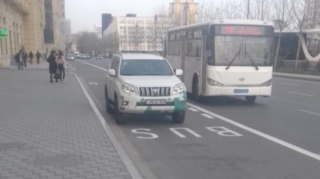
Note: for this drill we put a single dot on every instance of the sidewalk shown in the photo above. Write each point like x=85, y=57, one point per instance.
x=50, y=131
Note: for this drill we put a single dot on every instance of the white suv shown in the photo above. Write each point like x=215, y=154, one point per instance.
x=144, y=84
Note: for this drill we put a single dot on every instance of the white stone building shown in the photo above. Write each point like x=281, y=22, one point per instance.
x=137, y=34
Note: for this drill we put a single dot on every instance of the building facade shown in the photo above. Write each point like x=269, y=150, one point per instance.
x=98, y=30
x=22, y=24
x=136, y=34
x=54, y=16
x=183, y=12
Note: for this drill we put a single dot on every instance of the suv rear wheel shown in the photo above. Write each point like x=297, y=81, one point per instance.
x=120, y=118
x=108, y=107
x=178, y=117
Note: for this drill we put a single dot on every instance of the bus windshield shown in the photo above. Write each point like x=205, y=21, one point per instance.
x=242, y=51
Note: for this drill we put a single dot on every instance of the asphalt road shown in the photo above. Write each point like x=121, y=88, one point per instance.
x=278, y=137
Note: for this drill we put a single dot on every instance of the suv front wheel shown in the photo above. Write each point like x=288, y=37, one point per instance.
x=120, y=118
x=108, y=107
x=178, y=117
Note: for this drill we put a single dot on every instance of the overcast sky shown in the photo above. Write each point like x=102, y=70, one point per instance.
x=85, y=13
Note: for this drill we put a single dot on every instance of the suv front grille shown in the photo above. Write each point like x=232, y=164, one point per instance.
x=154, y=91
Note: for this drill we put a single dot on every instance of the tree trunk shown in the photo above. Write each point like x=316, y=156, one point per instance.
x=277, y=53
x=297, y=57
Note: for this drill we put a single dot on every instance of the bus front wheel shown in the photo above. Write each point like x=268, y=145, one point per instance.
x=195, y=88
x=251, y=99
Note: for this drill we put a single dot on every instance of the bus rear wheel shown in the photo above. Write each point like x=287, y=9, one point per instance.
x=251, y=99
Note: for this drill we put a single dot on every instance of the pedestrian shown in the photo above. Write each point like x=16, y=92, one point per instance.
x=31, y=57
x=24, y=58
x=38, y=55
x=19, y=60
x=52, y=65
x=60, y=61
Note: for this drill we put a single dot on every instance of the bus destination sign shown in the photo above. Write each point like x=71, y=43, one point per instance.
x=242, y=30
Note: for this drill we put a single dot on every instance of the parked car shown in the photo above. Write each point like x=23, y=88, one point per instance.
x=144, y=84
x=99, y=57
x=70, y=57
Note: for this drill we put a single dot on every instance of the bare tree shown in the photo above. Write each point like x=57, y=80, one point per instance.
x=207, y=11
x=233, y=9
x=258, y=9
x=86, y=42
x=282, y=18
x=301, y=21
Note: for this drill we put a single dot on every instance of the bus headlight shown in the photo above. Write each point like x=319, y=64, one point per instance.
x=211, y=82
x=267, y=83
x=178, y=88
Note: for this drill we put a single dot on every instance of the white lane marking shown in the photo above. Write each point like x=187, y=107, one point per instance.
x=261, y=134
x=289, y=84
x=207, y=116
x=145, y=132
x=193, y=110
x=93, y=83
x=302, y=94
x=92, y=65
x=309, y=112
x=126, y=160
x=223, y=131
x=175, y=130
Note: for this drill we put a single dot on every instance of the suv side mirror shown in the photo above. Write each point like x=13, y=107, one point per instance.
x=179, y=72
x=112, y=72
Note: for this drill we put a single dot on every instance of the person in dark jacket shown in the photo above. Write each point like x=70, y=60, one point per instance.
x=38, y=55
x=24, y=58
x=52, y=65
x=31, y=57
x=18, y=59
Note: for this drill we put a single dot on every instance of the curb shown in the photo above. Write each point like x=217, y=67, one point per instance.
x=297, y=77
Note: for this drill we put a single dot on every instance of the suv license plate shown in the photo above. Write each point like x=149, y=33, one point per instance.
x=241, y=91
x=156, y=101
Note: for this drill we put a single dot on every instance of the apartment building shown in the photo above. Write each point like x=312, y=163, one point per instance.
x=136, y=34
x=21, y=23
x=183, y=12
x=54, y=19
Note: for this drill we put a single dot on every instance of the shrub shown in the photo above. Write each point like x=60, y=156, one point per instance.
x=305, y=65
x=318, y=66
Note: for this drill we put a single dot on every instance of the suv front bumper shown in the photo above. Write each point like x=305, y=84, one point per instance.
x=135, y=104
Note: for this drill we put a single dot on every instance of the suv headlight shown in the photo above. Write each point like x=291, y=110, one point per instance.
x=211, y=82
x=178, y=88
x=128, y=88
x=267, y=83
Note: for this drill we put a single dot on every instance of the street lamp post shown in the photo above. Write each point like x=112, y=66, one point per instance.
x=155, y=32
x=248, y=10
x=186, y=8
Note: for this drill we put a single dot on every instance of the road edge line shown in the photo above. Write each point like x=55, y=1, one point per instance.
x=124, y=157
x=261, y=134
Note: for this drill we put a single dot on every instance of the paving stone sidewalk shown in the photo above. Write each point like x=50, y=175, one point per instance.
x=50, y=131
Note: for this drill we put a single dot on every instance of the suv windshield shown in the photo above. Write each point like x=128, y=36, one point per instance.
x=244, y=51
x=145, y=68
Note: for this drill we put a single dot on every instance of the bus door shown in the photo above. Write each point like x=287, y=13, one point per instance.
x=183, y=58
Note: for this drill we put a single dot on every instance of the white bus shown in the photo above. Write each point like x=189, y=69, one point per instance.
x=224, y=57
